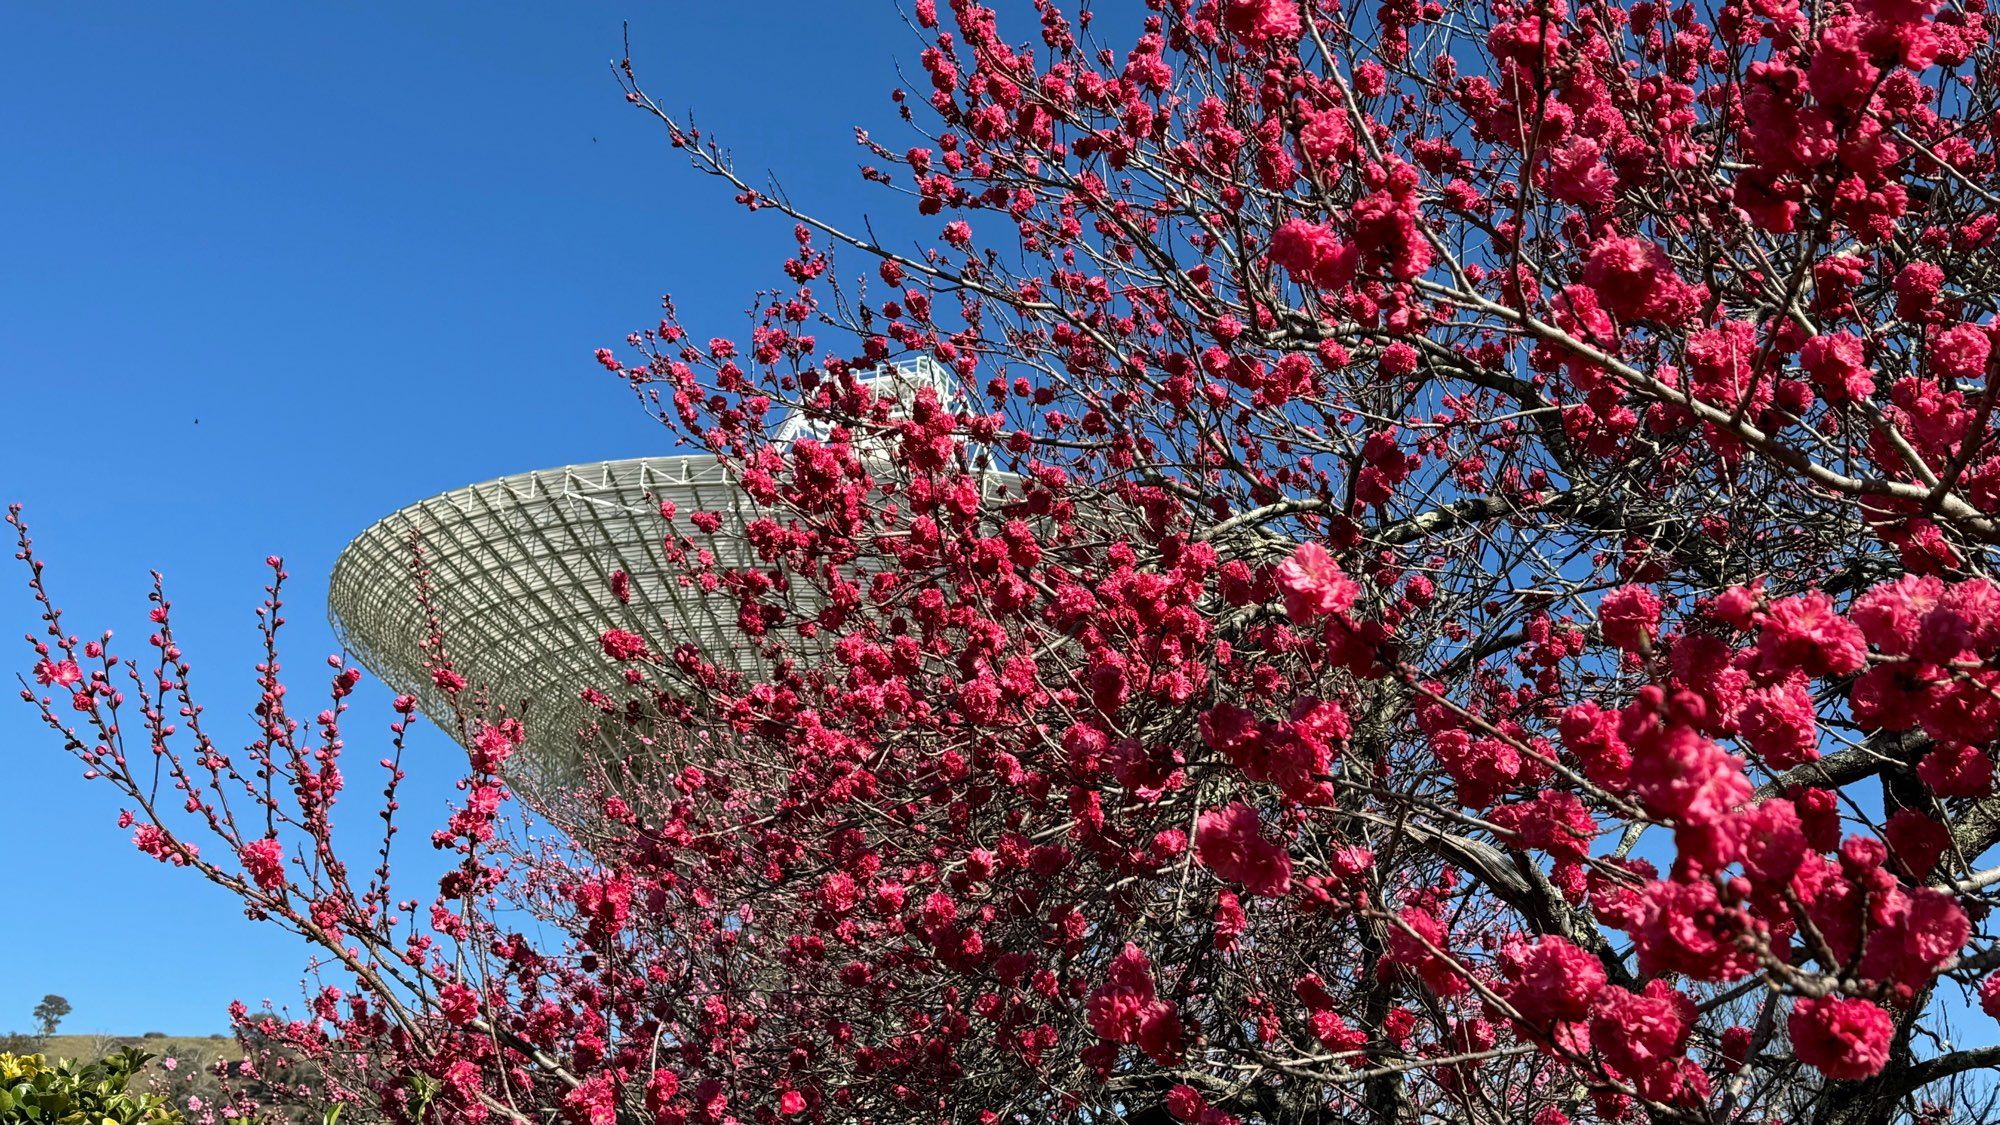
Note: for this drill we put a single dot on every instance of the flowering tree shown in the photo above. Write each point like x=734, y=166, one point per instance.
x=1453, y=588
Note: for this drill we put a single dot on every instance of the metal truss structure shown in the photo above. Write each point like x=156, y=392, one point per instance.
x=517, y=582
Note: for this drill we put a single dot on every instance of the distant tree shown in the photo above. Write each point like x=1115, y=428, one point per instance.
x=50, y=1012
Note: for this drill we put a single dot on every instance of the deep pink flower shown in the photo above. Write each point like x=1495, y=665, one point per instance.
x=1334, y=1034
x=458, y=1004
x=622, y=645
x=1639, y=1034
x=1808, y=634
x=1917, y=285
x=1314, y=585
x=1552, y=821
x=1551, y=980
x=1229, y=920
x=1420, y=944
x=1778, y=722
x=594, y=1102
x=1893, y=613
x=1960, y=352
x=1634, y=280
x=1686, y=928
x=1482, y=768
x=1774, y=842
x=1957, y=769
x=264, y=861
x=155, y=842
x=1125, y=1008
x=1313, y=254
x=62, y=673
x=1228, y=841
x=1838, y=366
x=660, y=1090
x=1845, y=1038
x=492, y=744
x=1629, y=616
x=1916, y=841
x=1258, y=22
x=1680, y=775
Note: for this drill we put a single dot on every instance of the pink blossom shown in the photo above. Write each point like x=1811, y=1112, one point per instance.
x=1258, y=22
x=1846, y=1039
x=1228, y=841
x=1956, y=769
x=263, y=861
x=1125, y=1008
x=1890, y=614
x=1313, y=254
x=155, y=842
x=1552, y=821
x=622, y=645
x=492, y=744
x=1629, y=616
x=1334, y=1034
x=1386, y=226
x=1640, y=1034
x=593, y=1102
x=1916, y=841
x=1229, y=919
x=1686, y=928
x=1680, y=775
x=1481, y=768
x=1808, y=634
x=1634, y=280
x=458, y=1004
x=1917, y=285
x=1418, y=942
x=1838, y=366
x=1960, y=352
x=1314, y=585
x=62, y=673
x=1778, y=723
x=1551, y=981
x=661, y=1089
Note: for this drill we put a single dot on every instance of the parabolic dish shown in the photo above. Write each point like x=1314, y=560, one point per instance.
x=519, y=575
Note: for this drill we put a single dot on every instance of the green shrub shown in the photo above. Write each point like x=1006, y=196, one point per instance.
x=71, y=1094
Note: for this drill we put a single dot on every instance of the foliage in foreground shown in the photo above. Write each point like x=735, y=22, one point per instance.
x=71, y=1093
x=1484, y=615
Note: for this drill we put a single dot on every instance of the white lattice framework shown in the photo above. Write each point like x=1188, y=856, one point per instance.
x=519, y=577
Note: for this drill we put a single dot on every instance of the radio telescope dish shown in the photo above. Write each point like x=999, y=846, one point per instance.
x=519, y=573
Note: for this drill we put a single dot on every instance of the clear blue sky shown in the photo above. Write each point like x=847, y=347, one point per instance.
x=371, y=247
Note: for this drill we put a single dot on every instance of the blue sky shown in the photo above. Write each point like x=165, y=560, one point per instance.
x=371, y=248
